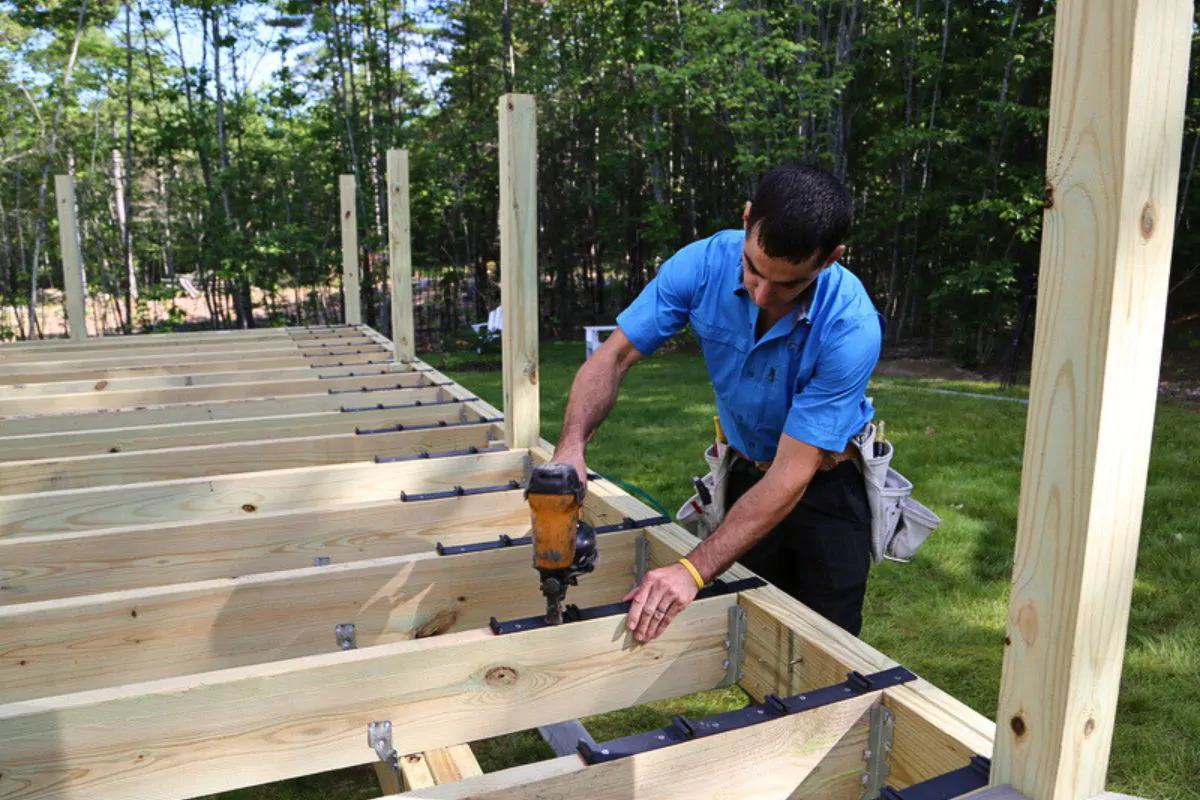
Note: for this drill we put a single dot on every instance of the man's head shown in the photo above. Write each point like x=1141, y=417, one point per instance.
x=795, y=226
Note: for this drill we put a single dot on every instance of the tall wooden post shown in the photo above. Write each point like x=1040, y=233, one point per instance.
x=68, y=233
x=518, y=268
x=350, y=277
x=1116, y=121
x=400, y=255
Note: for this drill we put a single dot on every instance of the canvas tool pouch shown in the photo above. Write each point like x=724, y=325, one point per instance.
x=703, y=512
x=899, y=524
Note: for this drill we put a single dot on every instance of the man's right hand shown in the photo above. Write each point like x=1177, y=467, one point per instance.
x=576, y=460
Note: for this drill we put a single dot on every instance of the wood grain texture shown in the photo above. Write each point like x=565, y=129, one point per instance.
x=68, y=237
x=35, y=568
x=760, y=762
x=148, y=355
x=216, y=411
x=1116, y=120
x=197, y=499
x=126, y=383
x=73, y=403
x=206, y=461
x=518, y=268
x=101, y=370
x=73, y=444
x=183, y=737
x=400, y=256
x=106, y=640
x=351, y=286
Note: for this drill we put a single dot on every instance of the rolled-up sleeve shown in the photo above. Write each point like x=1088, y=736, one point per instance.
x=831, y=408
x=662, y=309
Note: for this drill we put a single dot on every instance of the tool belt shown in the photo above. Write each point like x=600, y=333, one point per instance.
x=899, y=524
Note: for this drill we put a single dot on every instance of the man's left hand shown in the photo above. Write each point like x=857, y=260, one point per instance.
x=662, y=594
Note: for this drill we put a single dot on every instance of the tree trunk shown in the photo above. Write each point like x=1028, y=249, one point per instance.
x=131, y=283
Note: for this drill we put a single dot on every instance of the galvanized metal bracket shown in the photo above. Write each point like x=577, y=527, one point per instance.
x=735, y=645
x=878, y=752
x=347, y=636
x=379, y=737
x=641, y=558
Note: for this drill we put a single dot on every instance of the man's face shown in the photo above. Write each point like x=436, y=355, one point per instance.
x=775, y=283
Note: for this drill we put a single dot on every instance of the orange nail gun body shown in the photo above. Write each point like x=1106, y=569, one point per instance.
x=564, y=546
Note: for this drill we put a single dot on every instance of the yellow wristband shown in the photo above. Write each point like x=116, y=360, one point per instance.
x=695, y=572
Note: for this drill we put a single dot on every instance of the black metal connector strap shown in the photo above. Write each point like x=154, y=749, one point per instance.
x=952, y=784
x=332, y=341
x=415, y=404
x=772, y=707
x=353, y=374
x=573, y=613
x=368, y=389
x=425, y=454
x=359, y=352
x=459, y=491
x=504, y=540
x=399, y=427
x=344, y=364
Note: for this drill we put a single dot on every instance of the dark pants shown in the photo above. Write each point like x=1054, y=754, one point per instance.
x=821, y=553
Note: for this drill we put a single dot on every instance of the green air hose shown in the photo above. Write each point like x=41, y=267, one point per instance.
x=650, y=499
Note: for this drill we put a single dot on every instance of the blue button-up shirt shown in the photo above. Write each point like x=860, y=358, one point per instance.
x=806, y=377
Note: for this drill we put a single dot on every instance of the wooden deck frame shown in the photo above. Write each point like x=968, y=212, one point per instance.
x=199, y=724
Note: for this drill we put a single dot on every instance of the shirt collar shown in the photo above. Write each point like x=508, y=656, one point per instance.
x=805, y=304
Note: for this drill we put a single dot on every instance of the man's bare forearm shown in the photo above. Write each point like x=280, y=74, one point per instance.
x=754, y=515
x=593, y=395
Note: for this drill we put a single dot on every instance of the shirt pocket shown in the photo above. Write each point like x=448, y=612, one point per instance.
x=723, y=353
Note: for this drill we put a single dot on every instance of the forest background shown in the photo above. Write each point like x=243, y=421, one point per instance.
x=206, y=138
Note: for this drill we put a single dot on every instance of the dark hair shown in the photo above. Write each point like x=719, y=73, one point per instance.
x=800, y=211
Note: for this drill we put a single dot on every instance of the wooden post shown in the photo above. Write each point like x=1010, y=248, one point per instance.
x=68, y=233
x=518, y=268
x=400, y=256
x=1116, y=121
x=352, y=295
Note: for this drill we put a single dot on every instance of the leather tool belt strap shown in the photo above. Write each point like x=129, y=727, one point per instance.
x=828, y=460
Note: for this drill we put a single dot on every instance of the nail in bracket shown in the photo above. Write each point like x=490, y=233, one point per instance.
x=379, y=738
x=773, y=707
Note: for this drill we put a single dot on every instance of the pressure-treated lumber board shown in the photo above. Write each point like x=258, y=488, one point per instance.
x=790, y=648
x=34, y=568
x=512, y=778
x=1116, y=123
x=759, y=762
x=299, y=372
x=227, y=459
x=105, y=640
x=232, y=335
x=176, y=353
x=436, y=767
x=351, y=281
x=39, y=446
x=518, y=268
x=34, y=374
x=400, y=255
x=163, y=344
x=183, y=737
x=196, y=499
x=203, y=412
x=215, y=393
x=72, y=261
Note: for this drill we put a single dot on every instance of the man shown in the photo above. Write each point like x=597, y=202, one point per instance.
x=790, y=339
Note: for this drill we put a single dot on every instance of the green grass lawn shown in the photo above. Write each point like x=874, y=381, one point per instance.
x=942, y=615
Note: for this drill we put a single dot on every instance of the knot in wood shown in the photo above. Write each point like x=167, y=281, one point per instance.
x=1089, y=727
x=500, y=676
x=101, y=385
x=1048, y=197
x=1018, y=725
x=249, y=508
x=1148, y=220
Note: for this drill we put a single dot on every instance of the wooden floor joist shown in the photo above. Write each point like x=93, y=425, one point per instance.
x=225, y=459
x=230, y=410
x=43, y=446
